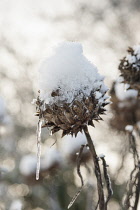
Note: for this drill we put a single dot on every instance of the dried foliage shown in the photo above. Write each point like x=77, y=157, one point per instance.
x=133, y=185
x=102, y=203
x=107, y=180
x=131, y=70
x=79, y=158
x=126, y=112
x=71, y=117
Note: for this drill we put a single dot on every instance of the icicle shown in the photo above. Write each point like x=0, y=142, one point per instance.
x=38, y=148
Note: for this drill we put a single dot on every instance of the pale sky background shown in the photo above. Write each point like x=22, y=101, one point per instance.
x=30, y=28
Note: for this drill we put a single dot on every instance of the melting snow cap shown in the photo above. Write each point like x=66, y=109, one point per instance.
x=69, y=71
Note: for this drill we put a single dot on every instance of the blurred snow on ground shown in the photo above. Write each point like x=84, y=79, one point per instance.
x=16, y=205
x=28, y=164
x=70, y=144
x=123, y=94
x=51, y=156
x=129, y=128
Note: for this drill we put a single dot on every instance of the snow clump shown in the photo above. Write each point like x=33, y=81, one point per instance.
x=69, y=71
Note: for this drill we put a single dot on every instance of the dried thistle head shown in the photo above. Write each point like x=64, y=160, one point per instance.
x=72, y=93
x=130, y=67
x=125, y=107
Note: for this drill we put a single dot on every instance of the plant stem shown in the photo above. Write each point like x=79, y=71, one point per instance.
x=102, y=203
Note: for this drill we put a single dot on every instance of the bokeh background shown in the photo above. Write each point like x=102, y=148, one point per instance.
x=29, y=28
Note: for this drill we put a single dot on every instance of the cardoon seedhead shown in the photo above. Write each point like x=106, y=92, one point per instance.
x=72, y=93
x=130, y=67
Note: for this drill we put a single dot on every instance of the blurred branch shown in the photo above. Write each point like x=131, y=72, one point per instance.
x=79, y=158
x=79, y=163
x=123, y=152
x=107, y=180
x=133, y=191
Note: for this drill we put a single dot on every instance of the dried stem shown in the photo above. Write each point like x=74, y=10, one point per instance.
x=133, y=192
x=79, y=157
x=123, y=153
x=102, y=204
x=107, y=180
x=79, y=163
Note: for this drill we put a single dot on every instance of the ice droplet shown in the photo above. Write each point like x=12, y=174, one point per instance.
x=38, y=148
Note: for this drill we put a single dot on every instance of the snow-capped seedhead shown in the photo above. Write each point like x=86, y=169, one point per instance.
x=72, y=92
x=130, y=67
x=125, y=106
